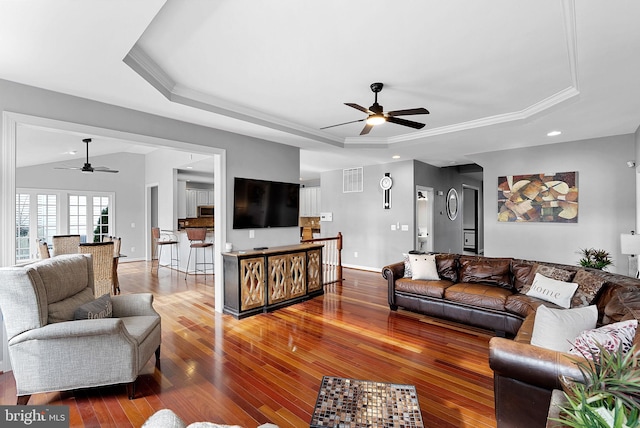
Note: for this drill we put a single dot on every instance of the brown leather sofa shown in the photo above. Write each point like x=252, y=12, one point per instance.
x=484, y=292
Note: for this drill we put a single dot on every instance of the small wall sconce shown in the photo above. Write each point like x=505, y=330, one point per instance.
x=631, y=164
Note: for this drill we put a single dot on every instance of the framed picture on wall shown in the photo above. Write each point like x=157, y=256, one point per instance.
x=545, y=197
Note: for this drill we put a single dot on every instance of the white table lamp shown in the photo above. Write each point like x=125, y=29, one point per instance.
x=630, y=245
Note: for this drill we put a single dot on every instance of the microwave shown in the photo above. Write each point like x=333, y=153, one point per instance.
x=205, y=211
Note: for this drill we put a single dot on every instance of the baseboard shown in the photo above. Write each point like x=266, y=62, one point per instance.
x=367, y=268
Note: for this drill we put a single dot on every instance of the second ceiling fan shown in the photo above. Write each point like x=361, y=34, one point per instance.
x=87, y=168
x=377, y=116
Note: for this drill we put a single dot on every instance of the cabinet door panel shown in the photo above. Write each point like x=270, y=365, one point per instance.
x=314, y=280
x=251, y=283
x=278, y=279
x=297, y=274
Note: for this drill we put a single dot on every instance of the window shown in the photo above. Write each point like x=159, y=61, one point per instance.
x=23, y=223
x=78, y=216
x=41, y=214
x=100, y=218
x=47, y=217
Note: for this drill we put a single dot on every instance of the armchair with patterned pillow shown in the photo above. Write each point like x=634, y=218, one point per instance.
x=61, y=338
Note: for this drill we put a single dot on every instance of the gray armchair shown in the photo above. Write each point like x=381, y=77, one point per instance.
x=49, y=351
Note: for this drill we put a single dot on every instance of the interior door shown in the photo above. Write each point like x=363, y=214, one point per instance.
x=424, y=218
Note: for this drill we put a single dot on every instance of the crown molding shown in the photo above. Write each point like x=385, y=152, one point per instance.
x=143, y=65
x=149, y=70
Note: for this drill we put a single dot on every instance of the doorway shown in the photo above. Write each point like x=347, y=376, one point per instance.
x=424, y=218
x=470, y=219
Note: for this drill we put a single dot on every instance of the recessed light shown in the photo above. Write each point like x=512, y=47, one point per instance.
x=189, y=167
x=395, y=157
x=72, y=152
x=554, y=133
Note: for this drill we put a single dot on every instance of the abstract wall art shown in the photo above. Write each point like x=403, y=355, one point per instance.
x=546, y=197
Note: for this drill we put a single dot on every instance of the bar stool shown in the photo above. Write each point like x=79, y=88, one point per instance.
x=197, y=236
x=159, y=241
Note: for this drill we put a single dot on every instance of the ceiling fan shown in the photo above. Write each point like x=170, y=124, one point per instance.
x=377, y=116
x=87, y=168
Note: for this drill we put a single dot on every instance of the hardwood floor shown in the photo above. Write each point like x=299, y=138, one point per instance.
x=268, y=368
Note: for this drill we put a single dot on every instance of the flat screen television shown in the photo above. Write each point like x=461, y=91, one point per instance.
x=260, y=204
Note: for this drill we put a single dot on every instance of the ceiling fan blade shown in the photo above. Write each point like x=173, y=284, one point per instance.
x=345, y=123
x=66, y=167
x=358, y=107
x=405, y=122
x=103, y=169
x=366, y=129
x=408, y=112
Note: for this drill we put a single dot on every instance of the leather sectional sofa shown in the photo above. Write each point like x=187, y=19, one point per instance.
x=489, y=293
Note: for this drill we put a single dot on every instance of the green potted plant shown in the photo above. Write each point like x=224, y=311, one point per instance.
x=610, y=396
x=597, y=259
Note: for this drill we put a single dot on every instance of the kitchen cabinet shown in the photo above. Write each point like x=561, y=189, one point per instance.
x=195, y=198
x=310, y=202
x=262, y=280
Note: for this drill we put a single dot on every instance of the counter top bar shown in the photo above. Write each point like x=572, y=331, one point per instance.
x=271, y=250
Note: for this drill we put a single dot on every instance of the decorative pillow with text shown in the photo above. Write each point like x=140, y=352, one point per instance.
x=551, y=290
x=99, y=308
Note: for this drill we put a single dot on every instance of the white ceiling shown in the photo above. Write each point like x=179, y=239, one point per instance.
x=494, y=75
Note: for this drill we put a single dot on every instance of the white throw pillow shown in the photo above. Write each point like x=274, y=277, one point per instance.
x=556, y=329
x=552, y=290
x=423, y=266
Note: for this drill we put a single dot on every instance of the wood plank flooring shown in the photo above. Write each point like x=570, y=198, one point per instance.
x=268, y=368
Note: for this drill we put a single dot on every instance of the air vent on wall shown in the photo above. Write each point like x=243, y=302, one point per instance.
x=352, y=180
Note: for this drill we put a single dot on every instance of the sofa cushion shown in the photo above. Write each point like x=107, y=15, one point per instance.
x=551, y=290
x=524, y=305
x=423, y=266
x=485, y=270
x=589, y=286
x=99, y=308
x=482, y=295
x=610, y=337
x=555, y=329
x=522, y=272
x=424, y=288
x=623, y=304
x=447, y=266
x=549, y=272
x=64, y=276
x=64, y=309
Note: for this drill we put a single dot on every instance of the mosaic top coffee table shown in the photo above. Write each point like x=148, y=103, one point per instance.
x=352, y=403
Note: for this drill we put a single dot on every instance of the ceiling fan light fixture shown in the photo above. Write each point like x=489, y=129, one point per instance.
x=376, y=119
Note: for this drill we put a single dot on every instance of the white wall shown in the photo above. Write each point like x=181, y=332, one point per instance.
x=128, y=186
x=366, y=225
x=607, y=200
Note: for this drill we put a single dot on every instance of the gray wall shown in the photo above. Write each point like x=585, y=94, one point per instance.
x=607, y=200
x=128, y=185
x=366, y=225
x=245, y=156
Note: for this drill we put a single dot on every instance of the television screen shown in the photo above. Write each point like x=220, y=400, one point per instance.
x=260, y=203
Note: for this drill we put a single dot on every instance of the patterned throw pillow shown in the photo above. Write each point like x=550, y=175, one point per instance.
x=549, y=272
x=407, y=266
x=609, y=337
x=99, y=308
x=588, y=287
